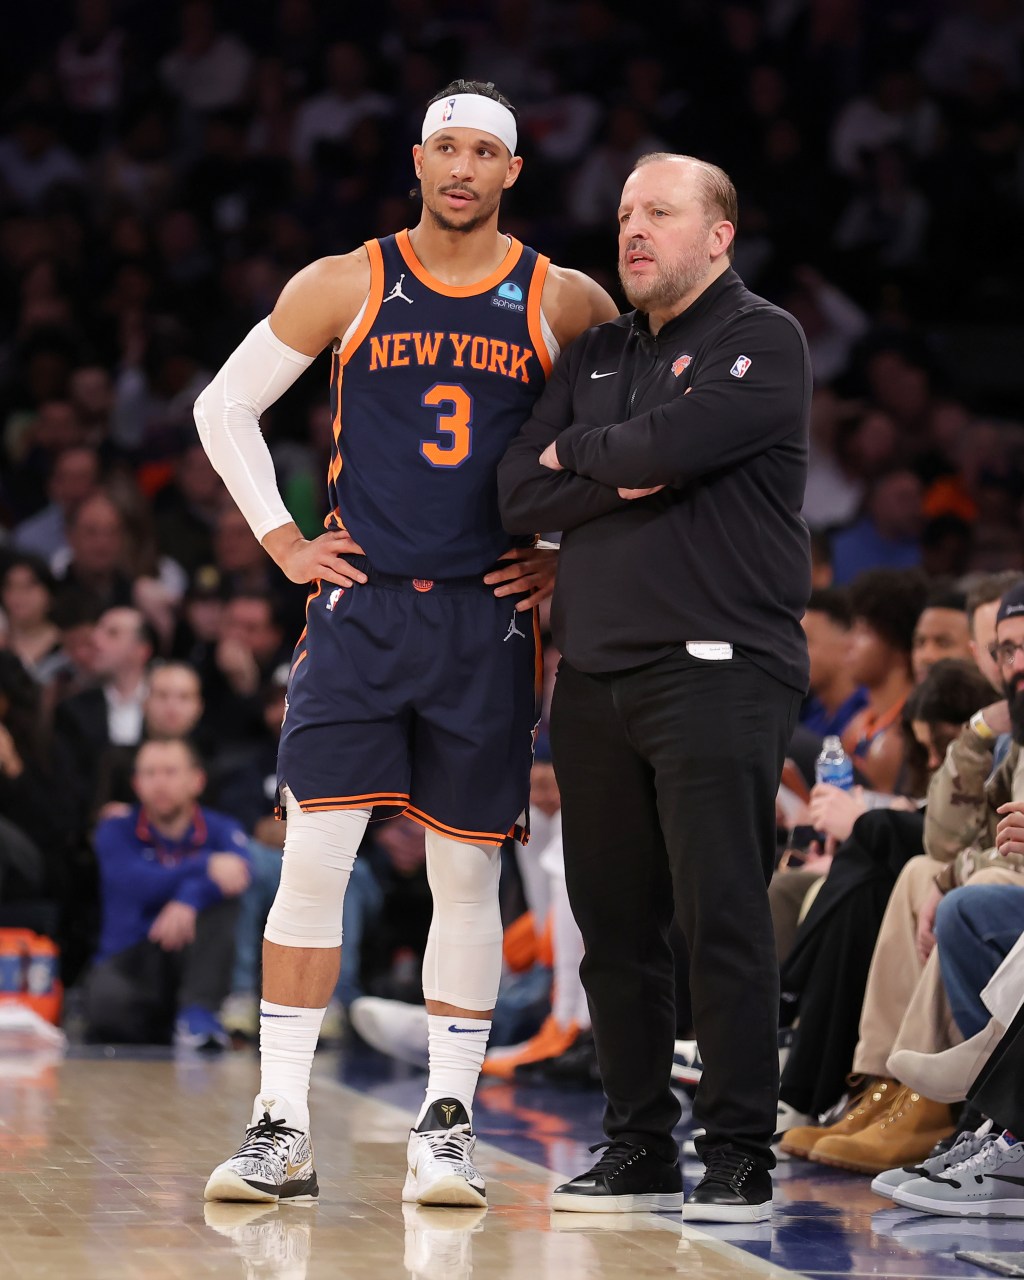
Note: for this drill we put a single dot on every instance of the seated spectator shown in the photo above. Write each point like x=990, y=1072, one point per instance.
x=826, y=971
x=33, y=162
x=885, y=605
x=171, y=874
x=900, y=997
x=887, y=535
x=982, y=609
x=895, y=111
x=941, y=632
x=27, y=589
x=74, y=476
x=248, y=649
x=835, y=481
x=186, y=510
x=92, y=573
x=207, y=69
x=835, y=696
x=347, y=99
x=34, y=441
x=37, y=836
x=172, y=708
x=832, y=323
x=111, y=711
x=887, y=223
x=245, y=569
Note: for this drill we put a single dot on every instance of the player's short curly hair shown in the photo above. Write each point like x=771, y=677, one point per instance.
x=484, y=88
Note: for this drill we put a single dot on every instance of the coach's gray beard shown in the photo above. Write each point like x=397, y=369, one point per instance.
x=669, y=285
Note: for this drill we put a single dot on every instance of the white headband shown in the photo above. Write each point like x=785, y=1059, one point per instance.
x=471, y=111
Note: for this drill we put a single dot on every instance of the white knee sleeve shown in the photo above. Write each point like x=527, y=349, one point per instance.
x=462, y=962
x=319, y=853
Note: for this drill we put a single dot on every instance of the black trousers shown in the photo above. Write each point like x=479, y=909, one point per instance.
x=134, y=997
x=668, y=775
x=998, y=1091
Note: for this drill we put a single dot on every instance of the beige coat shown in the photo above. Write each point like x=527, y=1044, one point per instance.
x=963, y=796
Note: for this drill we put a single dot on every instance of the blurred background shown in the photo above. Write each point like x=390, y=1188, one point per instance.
x=164, y=169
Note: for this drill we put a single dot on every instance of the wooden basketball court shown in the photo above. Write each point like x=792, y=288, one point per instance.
x=103, y=1162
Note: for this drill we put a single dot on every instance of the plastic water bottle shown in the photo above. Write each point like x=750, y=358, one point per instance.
x=834, y=766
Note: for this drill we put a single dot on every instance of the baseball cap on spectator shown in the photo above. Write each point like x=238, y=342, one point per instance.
x=1011, y=604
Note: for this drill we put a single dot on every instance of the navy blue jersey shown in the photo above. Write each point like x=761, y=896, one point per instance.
x=426, y=395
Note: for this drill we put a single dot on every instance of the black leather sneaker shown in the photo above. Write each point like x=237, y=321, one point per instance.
x=735, y=1188
x=627, y=1179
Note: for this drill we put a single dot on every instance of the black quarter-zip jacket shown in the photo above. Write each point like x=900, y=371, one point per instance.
x=715, y=407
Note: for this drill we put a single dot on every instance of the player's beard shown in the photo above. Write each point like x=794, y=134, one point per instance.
x=484, y=211
x=675, y=278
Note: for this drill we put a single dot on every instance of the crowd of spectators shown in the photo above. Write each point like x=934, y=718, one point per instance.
x=163, y=171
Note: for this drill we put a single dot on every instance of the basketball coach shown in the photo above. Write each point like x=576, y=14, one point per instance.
x=670, y=447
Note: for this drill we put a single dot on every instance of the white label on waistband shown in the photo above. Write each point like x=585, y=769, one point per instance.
x=709, y=650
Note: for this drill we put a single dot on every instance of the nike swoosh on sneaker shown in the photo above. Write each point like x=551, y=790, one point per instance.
x=1006, y=1177
x=595, y=376
x=468, y=1031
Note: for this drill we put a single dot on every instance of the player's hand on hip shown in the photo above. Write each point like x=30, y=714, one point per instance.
x=302, y=560
x=531, y=571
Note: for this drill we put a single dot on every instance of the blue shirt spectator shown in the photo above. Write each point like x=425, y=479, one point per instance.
x=141, y=870
x=171, y=875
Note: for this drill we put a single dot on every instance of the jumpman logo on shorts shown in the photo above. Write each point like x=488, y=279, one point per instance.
x=513, y=630
x=398, y=292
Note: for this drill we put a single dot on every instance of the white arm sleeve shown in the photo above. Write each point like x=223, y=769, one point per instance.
x=258, y=372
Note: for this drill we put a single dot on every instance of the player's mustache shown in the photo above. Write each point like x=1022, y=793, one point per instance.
x=459, y=186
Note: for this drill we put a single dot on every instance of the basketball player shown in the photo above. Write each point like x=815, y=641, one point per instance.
x=413, y=685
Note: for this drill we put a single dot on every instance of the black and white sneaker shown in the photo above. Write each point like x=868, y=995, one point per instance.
x=735, y=1188
x=274, y=1162
x=440, y=1157
x=627, y=1179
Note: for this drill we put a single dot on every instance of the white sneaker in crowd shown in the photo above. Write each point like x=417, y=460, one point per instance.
x=240, y=1015
x=392, y=1027
x=989, y=1184
x=967, y=1144
x=687, y=1067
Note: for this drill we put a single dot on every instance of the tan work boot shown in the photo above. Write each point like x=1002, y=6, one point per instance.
x=909, y=1130
x=865, y=1108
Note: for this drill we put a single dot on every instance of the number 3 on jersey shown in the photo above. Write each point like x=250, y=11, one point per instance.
x=456, y=422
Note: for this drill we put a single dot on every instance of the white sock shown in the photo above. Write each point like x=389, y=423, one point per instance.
x=456, y=1048
x=288, y=1037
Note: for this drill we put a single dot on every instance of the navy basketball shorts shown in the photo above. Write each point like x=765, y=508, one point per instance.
x=415, y=697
